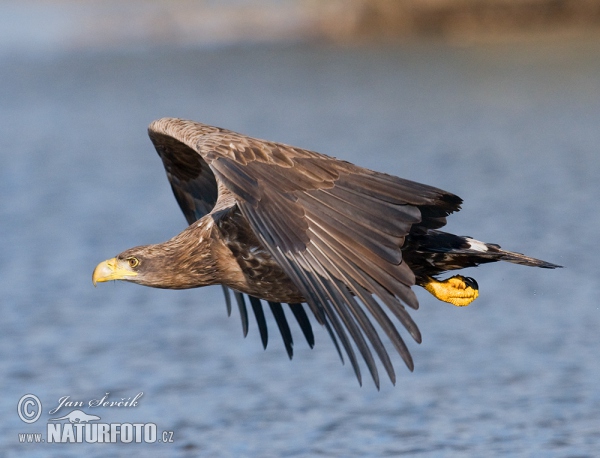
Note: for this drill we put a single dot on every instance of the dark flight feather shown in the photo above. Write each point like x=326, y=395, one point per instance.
x=284, y=329
x=260, y=320
x=303, y=322
x=239, y=297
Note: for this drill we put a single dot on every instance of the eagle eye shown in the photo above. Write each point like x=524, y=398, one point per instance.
x=133, y=262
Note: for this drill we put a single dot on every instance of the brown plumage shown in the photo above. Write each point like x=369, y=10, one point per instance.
x=288, y=225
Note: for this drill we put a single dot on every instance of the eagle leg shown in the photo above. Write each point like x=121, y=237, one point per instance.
x=457, y=290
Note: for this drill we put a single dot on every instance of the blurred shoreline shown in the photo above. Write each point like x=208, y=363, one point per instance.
x=64, y=25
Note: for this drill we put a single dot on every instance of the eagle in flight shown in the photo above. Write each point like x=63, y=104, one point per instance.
x=287, y=225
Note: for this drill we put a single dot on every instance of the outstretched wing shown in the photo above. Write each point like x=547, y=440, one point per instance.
x=336, y=229
x=196, y=191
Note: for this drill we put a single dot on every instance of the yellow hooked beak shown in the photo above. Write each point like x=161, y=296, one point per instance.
x=112, y=269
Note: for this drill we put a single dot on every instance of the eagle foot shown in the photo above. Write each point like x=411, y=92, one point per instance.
x=457, y=290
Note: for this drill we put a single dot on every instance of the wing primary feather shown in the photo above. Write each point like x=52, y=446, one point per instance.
x=260, y=320
x=313, y=301
x=304, y=323
x=371, y=333
x=374, y=286
x=344, y=270
x=338, y=300
x=294, y=272
x=396, y=278
x=391, y=189
x=364, y=214
x=282, y=232
x=325, y=237
x=227, y=299
x=239, y=297
x=386, y=248
x=403, y=212
x=325, y=296
x=385, y=323
x=360, y=315
x=284, y=329
x=398, y=310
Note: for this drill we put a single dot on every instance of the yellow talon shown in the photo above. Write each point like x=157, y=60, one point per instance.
x=457, y=290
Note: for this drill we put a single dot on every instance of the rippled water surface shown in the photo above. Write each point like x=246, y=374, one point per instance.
x=513, y=129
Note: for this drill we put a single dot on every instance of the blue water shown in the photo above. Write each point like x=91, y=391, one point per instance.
x=512, y=129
